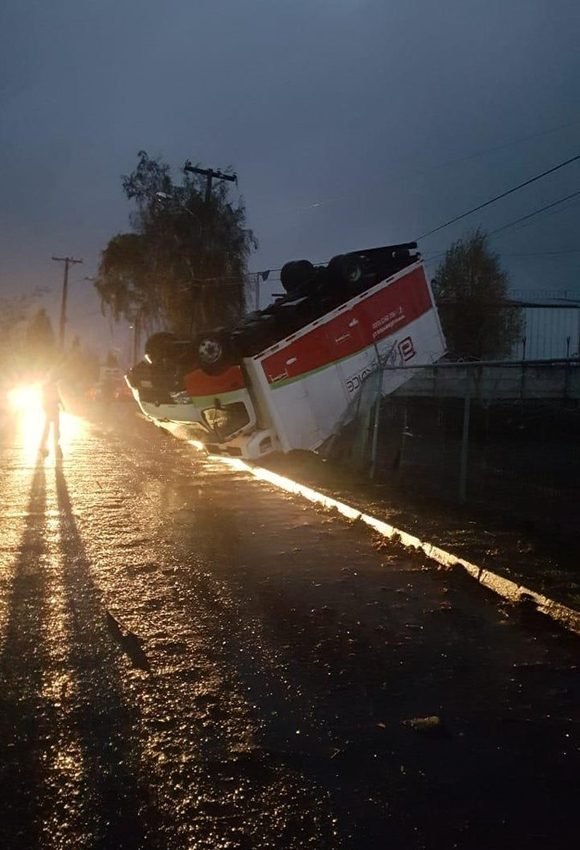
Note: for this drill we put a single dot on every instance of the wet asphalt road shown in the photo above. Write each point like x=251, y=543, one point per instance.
x=190, y=659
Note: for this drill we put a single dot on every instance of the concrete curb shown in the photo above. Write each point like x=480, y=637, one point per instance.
x=569, y=618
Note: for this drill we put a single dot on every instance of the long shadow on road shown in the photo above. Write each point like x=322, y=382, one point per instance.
x=24, y=720
x=104, y=806
x=104, y=722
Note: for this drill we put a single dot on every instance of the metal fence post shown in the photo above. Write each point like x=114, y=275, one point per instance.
x=375, y=440
x=376, y=422
x=462, y=491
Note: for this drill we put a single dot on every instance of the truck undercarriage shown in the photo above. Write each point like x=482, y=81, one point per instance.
x=284, y=378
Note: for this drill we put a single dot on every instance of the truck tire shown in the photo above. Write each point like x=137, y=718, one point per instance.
x=296, y=274
x=160, y=346
x=213, y=352
x=346, y=270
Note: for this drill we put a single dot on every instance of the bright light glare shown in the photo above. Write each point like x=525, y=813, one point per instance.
x=197, y=444
x=27, y=407
x=26, y=399
x=26, y=404
x=71, y=428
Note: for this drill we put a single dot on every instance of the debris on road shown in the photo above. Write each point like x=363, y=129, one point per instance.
x=431, y=723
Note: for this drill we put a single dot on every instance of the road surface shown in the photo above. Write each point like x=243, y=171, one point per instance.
x=190, y=659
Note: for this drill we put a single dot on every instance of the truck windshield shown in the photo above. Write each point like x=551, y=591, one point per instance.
x=225, y=421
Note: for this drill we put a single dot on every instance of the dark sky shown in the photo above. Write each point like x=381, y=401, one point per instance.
x=351, y=123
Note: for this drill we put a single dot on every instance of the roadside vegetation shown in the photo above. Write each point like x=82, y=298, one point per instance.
x=182, y=265
x=479, y=320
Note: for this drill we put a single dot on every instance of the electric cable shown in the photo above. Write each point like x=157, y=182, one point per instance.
x=499, y=197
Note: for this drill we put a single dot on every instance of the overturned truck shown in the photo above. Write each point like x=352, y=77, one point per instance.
x=284, y=377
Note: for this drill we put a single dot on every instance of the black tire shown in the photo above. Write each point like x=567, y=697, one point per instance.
x=296, y=274
x=213, y=352
x=346, y=270
x=160, y=346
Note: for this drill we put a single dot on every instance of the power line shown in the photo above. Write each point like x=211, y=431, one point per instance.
x=512, y=142
x=442, y=165
x=503, y=195
x=535, y=212
x=523, y=253
x=541, y=253
x=434, y=256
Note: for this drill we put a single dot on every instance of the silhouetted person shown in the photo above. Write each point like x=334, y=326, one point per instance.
x=51, y=404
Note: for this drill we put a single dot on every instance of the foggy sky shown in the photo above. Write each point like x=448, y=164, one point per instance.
x=351, y=123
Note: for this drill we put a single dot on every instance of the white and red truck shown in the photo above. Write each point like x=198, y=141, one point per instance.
x=284, y=377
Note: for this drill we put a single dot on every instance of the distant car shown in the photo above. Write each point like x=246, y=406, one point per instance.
x=122, y=392
x=111, y=386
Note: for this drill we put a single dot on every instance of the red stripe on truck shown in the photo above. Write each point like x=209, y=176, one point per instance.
x=368, y=321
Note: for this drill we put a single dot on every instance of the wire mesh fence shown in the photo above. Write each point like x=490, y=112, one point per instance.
x=552, y=331
x=506, y=436
x=520, y=330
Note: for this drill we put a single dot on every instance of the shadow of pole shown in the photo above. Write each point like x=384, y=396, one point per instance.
x=105, y=723
x=25, y=717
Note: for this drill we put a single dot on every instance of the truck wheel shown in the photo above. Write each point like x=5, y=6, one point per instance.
x=213, y=352
x=160, y=346
x=346, y=270
x=296, y=274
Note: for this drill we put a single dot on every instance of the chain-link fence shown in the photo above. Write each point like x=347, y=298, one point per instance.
x=520, y=330
x=503, y=435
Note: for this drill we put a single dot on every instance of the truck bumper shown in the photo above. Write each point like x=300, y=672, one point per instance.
x=248, y=446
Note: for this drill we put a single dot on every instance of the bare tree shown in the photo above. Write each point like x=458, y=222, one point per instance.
x=471, y=290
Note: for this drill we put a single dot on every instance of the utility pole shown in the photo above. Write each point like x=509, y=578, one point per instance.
x=210, y=175
x=68, y=261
